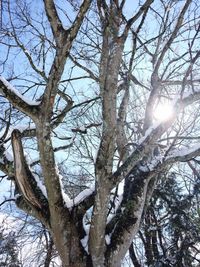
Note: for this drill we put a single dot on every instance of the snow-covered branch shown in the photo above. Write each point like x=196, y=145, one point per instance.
x=17, y=99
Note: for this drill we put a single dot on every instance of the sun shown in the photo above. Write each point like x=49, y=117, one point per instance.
x=163, y=111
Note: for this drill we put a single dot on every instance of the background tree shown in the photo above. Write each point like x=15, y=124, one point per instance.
x=82, y=87
x=24, y=240
x=170, y=232
x=8, y=250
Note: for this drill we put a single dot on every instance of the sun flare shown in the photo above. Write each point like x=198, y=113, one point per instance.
x=163, y=111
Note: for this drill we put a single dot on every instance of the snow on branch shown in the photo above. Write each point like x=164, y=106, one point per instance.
x=184, y=154
x=7, y=88
x=70, y=203
x=82, y=196
x=17, y=100
x=151, y=136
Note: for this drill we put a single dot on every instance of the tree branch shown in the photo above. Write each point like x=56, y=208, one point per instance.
x=24, y=178
x=55, y=22
x=151, y=136
x=66, y=38
x=30, y=108
x=130, y=22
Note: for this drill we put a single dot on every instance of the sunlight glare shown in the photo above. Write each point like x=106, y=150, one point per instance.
x=163, y=112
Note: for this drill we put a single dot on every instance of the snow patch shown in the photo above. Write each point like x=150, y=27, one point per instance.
x=82, y=128
x=66, y=198
x=8, y=156
x=120, y=83
x=41, y=186
x=70, y=203
x=86, y=227
x=148, y=132
x=117, y=201
x=108, y=239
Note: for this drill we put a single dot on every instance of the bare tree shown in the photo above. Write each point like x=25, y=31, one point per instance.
x=86, y=81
